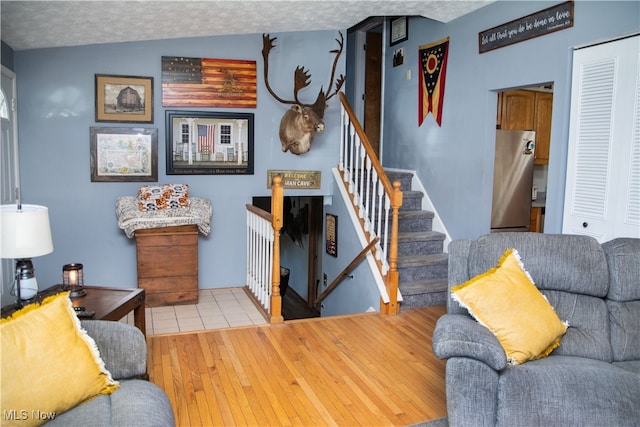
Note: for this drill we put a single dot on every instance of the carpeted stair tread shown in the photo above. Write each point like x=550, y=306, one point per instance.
x=423, y=286
x=422, y=267
x=411, y=200
x=412, y=236
x=420, y=243
x=415, y=214
x=422, y=260
x=409, y=215
x=411, y=193
x=405, y=179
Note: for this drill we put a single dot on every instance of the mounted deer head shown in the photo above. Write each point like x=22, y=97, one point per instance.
x=300, y=123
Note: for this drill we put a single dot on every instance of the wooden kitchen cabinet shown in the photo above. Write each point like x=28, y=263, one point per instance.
x=536, y=225
x=517, y=110
x=168, y=264
x=542, y=126
x=528, y=110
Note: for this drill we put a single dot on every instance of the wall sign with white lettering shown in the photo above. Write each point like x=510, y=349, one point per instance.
x=301, y=180
x=537, y=24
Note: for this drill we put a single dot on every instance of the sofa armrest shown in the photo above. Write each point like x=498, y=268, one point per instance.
x=472, y=393
x=458, y=335
x=122, y=347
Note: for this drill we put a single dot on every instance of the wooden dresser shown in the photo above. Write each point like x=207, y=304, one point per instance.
x=168, y=264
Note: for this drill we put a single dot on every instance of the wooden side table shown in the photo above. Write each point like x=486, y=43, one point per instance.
x=107, y=303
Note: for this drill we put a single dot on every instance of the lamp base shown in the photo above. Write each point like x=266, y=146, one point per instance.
x=28, y=288
x=76, y=292
x=26, y=283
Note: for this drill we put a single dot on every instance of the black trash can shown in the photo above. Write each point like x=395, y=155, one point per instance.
x=284, y=280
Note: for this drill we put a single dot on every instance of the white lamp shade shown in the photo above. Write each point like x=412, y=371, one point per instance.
x=24, y=233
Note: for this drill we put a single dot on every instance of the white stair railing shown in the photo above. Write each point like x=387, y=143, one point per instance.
x=260, y=236
x=263, y=253
x=372, y=194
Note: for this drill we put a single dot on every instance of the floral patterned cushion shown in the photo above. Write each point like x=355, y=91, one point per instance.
x=160, y=197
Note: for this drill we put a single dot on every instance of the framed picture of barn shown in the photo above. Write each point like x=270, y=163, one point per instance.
x=124, y=99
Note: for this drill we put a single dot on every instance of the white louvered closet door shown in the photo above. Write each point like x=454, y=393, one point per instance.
x=602, y=195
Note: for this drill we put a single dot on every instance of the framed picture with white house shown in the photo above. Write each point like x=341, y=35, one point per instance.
x=209, y=143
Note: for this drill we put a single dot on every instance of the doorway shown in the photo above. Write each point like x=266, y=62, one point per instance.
x=373, y=87
x=530, y=108
x=368, y=75
x=300, y=253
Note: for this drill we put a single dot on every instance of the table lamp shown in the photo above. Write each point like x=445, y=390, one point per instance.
x=25, y=233
x=73, y=280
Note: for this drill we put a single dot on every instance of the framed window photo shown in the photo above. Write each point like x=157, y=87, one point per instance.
x=399, y=30
x=124, y=154
x=124, y=99
x=209, y=143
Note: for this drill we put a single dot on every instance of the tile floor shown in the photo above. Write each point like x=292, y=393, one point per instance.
x=216, y=309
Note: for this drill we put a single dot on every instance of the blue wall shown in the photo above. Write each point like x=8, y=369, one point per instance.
x=56, y=110
x=358, y=293
x=455, y=161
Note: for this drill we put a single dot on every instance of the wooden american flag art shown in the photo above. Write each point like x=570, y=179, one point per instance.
x=206, y=82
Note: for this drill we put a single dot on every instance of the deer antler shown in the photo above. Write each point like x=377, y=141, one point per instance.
x=302, y=78
x=300, y=81
x=339, y=80
x=267, y=45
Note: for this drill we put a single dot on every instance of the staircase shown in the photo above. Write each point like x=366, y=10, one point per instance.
x=422, y=265
x=408, y=253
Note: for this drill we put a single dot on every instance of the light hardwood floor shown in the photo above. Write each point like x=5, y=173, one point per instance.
x=360, y=370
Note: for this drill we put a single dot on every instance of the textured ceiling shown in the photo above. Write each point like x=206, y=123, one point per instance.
x=42, y=24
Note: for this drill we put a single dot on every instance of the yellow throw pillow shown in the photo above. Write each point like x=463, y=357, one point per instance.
x=505, y=300
x=49, y=363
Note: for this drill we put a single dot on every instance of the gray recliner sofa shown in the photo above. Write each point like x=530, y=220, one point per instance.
x=136, y=402
x=591, y=379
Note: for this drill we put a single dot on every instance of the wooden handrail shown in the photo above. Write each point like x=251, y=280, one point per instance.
x=364, y=139
x=260, y=212
x=346, y=270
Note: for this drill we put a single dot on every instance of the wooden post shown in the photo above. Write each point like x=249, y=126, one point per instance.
x=276, y=222
x=392, y=308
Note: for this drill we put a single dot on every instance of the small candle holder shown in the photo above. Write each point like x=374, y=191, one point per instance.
x=73, y=280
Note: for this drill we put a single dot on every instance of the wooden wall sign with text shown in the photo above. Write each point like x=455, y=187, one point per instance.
x=537, y=24
x=299, y=180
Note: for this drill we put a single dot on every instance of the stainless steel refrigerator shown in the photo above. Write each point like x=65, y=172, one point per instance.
x=512, y=180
